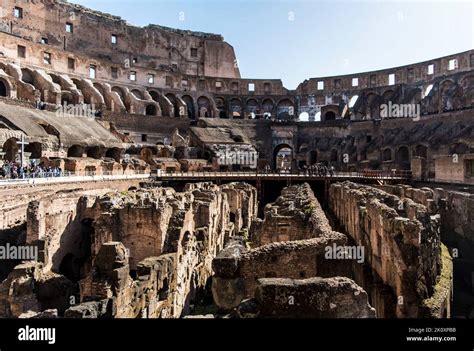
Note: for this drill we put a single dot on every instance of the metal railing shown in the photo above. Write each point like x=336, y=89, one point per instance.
x=402, y=175
x=62, y=177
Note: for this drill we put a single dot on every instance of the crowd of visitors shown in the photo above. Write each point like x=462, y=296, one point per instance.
x=13, y=170
x=320, y=170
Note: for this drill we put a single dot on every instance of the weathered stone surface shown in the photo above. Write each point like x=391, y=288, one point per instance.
x=402, y=241
x=312, y=298
x=296, y=215
x=237, y=269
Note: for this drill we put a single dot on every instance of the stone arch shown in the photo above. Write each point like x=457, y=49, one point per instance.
x=387, y=154
x=55, y=78
x=75, y=151
x=251, y=107
x=67, y=98
x=446, y=89
x=330, y=116
x=27, y=76
x=221, y=106
x=174, y=102
x=204, y=106
x=467, y=84
x=303, y=117
x=4, y=88
x=120, y=92
x=371, y=106
x=403, y=157
x=114, y=153
x=285, y=109
x=420, y=151
x=190, y=106
x=387, y=95
x=102, y=91
x=137, y=93
x=268, y=106
x=151, y=110
x=236, y=107
x=10, y=147
x=94, y=152
x=283, y=157
x=36, y=150
x=459, y=148
x=155, y=96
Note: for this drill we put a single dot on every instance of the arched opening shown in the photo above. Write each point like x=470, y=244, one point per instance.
x=154, y=95
x=75, y=151
x=421, y=151
x=267, y=107
x=330, y=116
x=35, y=149
x=93, y=152
x=403, y=157
x=73, y=263
x=371, y=108
x=459, y=148
x=387, y=155
x=334, y=156
x=190, y=106
x=113, y=153
x=236, y=108
x=285, y=110
x=387, y=96
x=204, y=106
x=252, y=107
x=3, y=89
x=283, y=158
x=66, y=98
x=121, y=94
x=304, y=117
x=137, y=93
x=174, y=102
x=27, y=76
x=150, y=110
x=100, y=88
x=220, y=104
x=10, y=148
x=49, y=129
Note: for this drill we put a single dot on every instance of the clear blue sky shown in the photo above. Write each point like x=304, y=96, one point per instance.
x=323, y=38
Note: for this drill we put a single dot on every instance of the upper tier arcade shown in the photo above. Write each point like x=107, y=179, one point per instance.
x=61, y=25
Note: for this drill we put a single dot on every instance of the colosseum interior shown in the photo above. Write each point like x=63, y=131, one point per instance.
x=187, y=191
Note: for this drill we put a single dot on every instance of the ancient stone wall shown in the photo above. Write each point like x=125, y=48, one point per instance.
x=144, y=253
x=296, y=215
x=401, y=239
x=279, y=254
x=312, y=298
